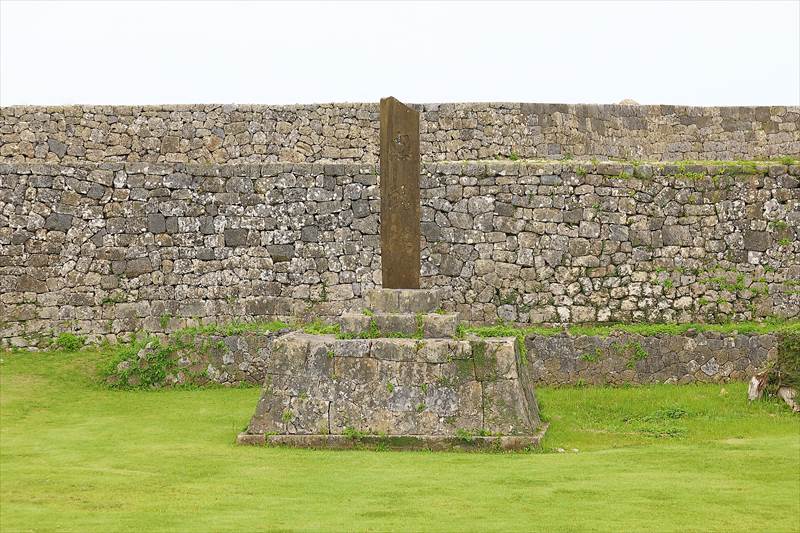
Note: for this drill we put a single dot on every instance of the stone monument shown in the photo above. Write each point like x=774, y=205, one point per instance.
x=398, y=376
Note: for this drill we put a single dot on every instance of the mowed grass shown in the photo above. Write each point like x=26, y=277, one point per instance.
x=77, y=457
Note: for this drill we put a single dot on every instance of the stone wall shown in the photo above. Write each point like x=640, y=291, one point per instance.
x=551, y=360
x=625, y=358
x=116, y=247
x=199, y=359
x=349, y=132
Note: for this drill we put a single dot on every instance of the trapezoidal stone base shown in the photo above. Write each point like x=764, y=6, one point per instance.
x=321, y=391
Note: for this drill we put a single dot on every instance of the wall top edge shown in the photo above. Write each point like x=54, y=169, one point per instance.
x=531, y=107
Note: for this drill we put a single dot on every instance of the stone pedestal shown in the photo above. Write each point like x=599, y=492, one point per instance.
x=396, y=377
x=401, y=312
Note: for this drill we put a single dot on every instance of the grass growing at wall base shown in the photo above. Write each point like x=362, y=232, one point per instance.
x=604, y=330
x=151, y=359
x=77, y=457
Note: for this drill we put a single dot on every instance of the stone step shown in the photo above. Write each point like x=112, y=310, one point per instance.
x=403, y=300
x=429, y=325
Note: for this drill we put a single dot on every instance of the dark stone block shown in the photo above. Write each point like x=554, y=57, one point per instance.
x=676, y=236
x=281, y=252
x=58, y=222
x=205, y=254
x=431, y=231
x=156, y=224
x=236, y=237
x=171, y=225
x=573, y=216
x=207, y=225
x=26, y=283
x=96, y=191
x=309, y=234
x=756, y=240
x=137, y=267
x=57, y=147
x=20, y=237
x=170, y=144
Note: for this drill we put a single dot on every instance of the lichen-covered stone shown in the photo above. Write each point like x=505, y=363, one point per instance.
x=187, y=244
x=393, y=387
x=213, y=134
x=624, y=358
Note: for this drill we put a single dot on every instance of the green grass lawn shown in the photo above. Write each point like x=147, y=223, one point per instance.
x=77, y=457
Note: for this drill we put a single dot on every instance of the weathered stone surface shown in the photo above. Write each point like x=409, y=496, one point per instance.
x=212, y=358
x=58, y=222
x=217, y=256
x=709, y=356
x=465, y=443
x=439, y=325
x=756, y=240
x=400, y=207
x=207, y=134
x=317, y=385
x=403, y=300
x=235, y=237
x=429, y=325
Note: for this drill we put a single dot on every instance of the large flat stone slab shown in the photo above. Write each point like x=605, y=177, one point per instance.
x=403, y=300
x=428, y=325
x=321, y=385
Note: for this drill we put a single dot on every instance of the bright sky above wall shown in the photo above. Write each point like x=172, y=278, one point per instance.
x=695, y=53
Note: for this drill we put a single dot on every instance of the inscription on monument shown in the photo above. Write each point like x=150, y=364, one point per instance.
x=400, y=201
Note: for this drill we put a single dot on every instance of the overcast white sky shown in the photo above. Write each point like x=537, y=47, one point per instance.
x=698, y=53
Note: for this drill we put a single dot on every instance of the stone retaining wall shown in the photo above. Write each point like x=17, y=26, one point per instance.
x=200, y=359
x=112, y=248
x=625, y=358
x=551, y=360
x=349, y=132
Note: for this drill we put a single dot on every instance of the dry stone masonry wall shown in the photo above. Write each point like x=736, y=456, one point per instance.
x=349, y=132
x=112, y=248
x=624, y=358
x=620, y=358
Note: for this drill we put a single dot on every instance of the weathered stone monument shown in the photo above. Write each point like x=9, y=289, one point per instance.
x=400, y=206
x=398, y=375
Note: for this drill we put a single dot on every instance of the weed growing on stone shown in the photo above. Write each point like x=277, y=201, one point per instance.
x=591, y=357
x=318, y=327
x=69, y=342
x=639, y=354
x=353, y=433
x=778, y=225
x=772, y=325
x=114, y=299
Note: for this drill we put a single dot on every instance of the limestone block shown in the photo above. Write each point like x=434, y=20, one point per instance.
x=403, y=300
x=320, y=385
